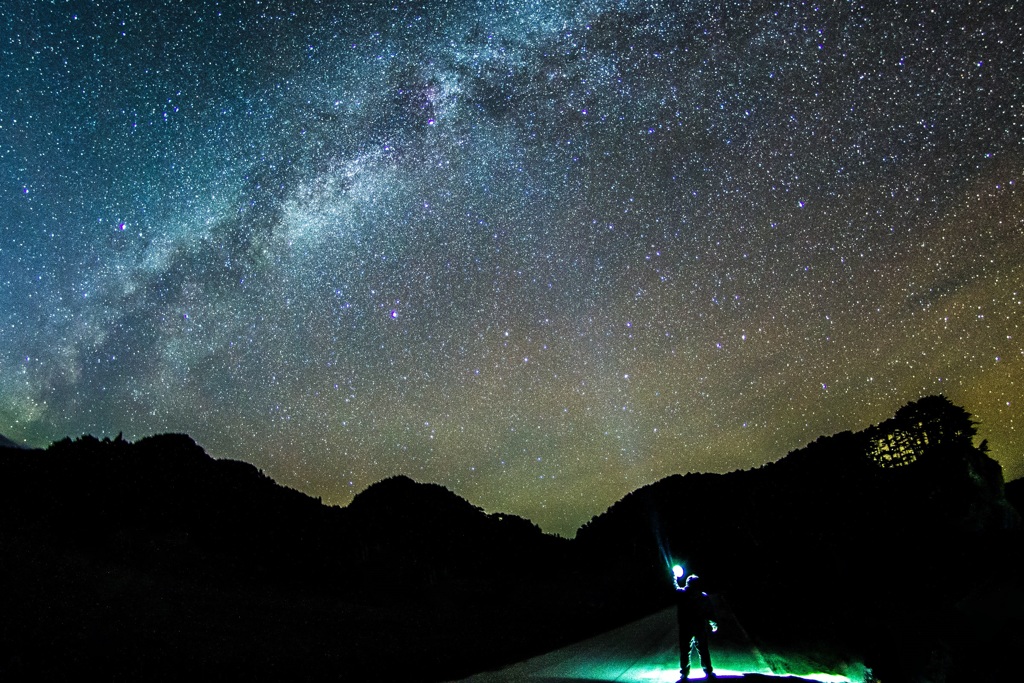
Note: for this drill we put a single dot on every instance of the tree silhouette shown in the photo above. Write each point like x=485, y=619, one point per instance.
x=936, y=421
x=893, y=446
x=918, y=427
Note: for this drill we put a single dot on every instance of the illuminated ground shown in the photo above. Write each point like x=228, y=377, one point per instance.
x=647, y=651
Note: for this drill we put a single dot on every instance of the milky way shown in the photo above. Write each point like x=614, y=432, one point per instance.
x=541, y=253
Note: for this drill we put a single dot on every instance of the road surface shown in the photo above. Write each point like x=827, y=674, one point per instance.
x=647, y=651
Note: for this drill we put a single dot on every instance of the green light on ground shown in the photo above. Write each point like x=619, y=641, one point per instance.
x=672, y=675
x=661, y=675
x=647, y=651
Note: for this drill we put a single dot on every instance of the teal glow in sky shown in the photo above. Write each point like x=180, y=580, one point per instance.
x=539, y=253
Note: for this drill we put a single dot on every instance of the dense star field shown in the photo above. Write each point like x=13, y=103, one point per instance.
x=541, y=253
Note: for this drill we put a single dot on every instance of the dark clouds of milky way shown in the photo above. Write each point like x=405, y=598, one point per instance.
x=541, y=253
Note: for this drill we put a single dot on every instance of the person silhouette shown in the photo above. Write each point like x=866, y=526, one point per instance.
x=696, y=617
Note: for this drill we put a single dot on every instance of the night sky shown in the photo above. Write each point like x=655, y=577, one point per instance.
x=542, y=253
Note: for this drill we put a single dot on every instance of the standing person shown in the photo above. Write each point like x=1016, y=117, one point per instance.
x=696, y=617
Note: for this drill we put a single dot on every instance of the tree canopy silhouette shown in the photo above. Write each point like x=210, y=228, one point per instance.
x=917, y=427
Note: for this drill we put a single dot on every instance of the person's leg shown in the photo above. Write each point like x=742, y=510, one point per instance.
x=685, y=643
x=705, y=653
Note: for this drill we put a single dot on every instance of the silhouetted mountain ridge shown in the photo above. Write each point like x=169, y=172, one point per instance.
x=413, y=573
x=160, y=527
x=7, y=443
x=162, y=502
x=946, y=483
x=866, y=526
x=406, y=506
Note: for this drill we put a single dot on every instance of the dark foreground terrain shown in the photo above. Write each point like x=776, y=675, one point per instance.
x=898, y=547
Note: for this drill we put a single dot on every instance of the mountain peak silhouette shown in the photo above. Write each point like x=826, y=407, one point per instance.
x=401, y=495
x=8, y=443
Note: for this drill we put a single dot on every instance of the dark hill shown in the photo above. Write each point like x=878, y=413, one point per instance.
x=868, y=538
x=153, y=560
x=164, y=503
x=7, y=443
x=426, y=531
